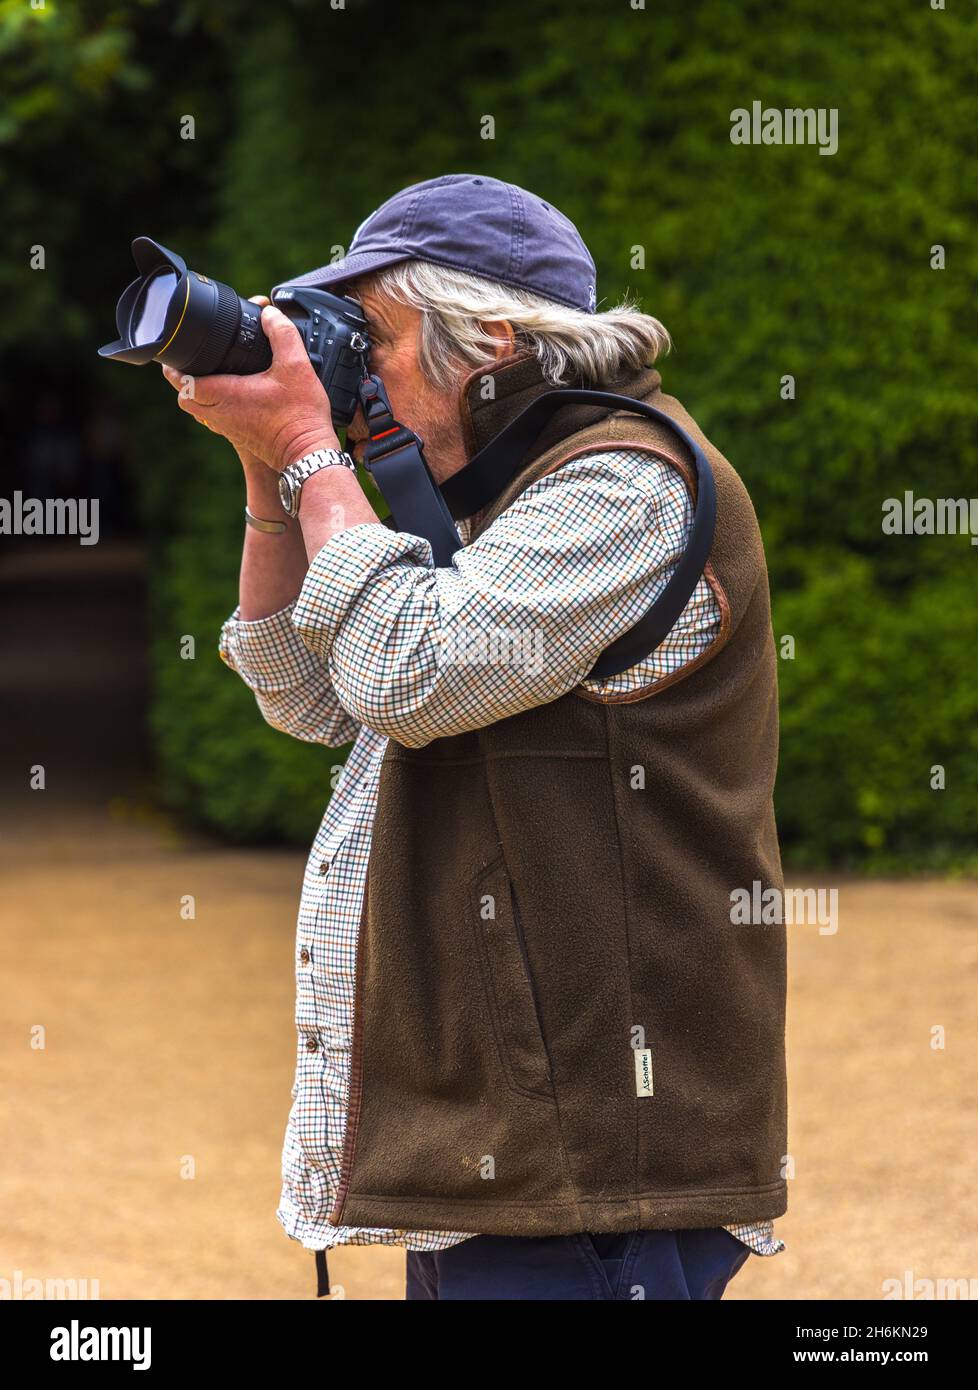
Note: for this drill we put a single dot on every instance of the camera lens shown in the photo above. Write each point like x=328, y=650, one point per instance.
x=222, y=332
x=149, y=311
x=188, y=321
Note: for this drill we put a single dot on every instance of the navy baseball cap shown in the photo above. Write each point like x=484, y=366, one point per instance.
x=474, y=223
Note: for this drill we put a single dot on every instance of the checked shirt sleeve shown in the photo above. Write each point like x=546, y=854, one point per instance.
x=292, y=688
x=521, y=614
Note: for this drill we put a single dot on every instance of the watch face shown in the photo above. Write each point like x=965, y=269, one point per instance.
x=287, y=493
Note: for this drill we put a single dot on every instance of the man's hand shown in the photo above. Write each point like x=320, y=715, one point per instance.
x=277, y=415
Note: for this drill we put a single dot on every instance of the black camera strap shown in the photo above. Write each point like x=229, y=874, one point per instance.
x=395, y=458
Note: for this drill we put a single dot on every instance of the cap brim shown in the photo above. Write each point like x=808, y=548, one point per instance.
x=358, y=263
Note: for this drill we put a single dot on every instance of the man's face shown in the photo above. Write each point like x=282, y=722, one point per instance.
x=433, y=414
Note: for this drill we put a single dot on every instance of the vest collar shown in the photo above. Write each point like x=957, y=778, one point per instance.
x=493, y=395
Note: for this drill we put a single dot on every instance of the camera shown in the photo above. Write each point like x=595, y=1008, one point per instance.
x=201, y=326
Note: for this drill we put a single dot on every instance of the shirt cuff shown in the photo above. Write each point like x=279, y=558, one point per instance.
x=266, y=652
x=342, y=570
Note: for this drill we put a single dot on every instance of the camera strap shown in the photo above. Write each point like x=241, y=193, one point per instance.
x=395, y=458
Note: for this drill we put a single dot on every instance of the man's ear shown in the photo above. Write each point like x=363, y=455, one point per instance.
x=502, y=331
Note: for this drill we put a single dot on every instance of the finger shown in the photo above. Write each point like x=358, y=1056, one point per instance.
x=284, y=337
x=259, y=299
x=185, y=385
x=192, y=406
x=223, y=389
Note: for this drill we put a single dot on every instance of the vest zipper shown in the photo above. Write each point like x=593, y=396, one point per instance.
x=356, y=1073
x=521, y=941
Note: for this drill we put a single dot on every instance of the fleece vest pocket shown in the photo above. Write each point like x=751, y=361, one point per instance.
x=509, y=983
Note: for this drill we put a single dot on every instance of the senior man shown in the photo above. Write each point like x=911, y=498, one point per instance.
x=533, y=1049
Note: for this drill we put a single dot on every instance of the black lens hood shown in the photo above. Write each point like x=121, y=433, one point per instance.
x=150, y=256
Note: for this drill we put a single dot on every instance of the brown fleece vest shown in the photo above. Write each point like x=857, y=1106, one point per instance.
x=557, y=1027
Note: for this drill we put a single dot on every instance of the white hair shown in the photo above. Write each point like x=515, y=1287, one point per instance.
x=568, y=343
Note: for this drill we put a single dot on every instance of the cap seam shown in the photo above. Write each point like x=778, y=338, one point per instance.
x=411, y=213
x=517, y=232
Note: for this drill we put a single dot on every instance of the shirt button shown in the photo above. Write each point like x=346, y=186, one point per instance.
x=324, y=867
x=304, y=956
x=312, y=1044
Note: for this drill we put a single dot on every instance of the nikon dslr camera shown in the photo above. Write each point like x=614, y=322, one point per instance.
x=200, y=326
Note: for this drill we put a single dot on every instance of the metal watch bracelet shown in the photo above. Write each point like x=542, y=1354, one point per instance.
x=291, y=478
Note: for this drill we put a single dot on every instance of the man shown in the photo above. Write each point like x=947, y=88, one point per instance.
x=532, y=1047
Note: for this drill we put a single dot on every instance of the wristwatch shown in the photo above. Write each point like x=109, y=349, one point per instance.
x=290, y=479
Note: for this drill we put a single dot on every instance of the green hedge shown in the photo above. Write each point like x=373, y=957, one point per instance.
x=761, y=260
x=879, y=739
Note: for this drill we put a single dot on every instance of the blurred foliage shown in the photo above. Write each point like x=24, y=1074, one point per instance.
x=761, y=260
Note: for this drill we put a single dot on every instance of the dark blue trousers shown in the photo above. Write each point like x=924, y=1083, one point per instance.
x=670, y=1265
